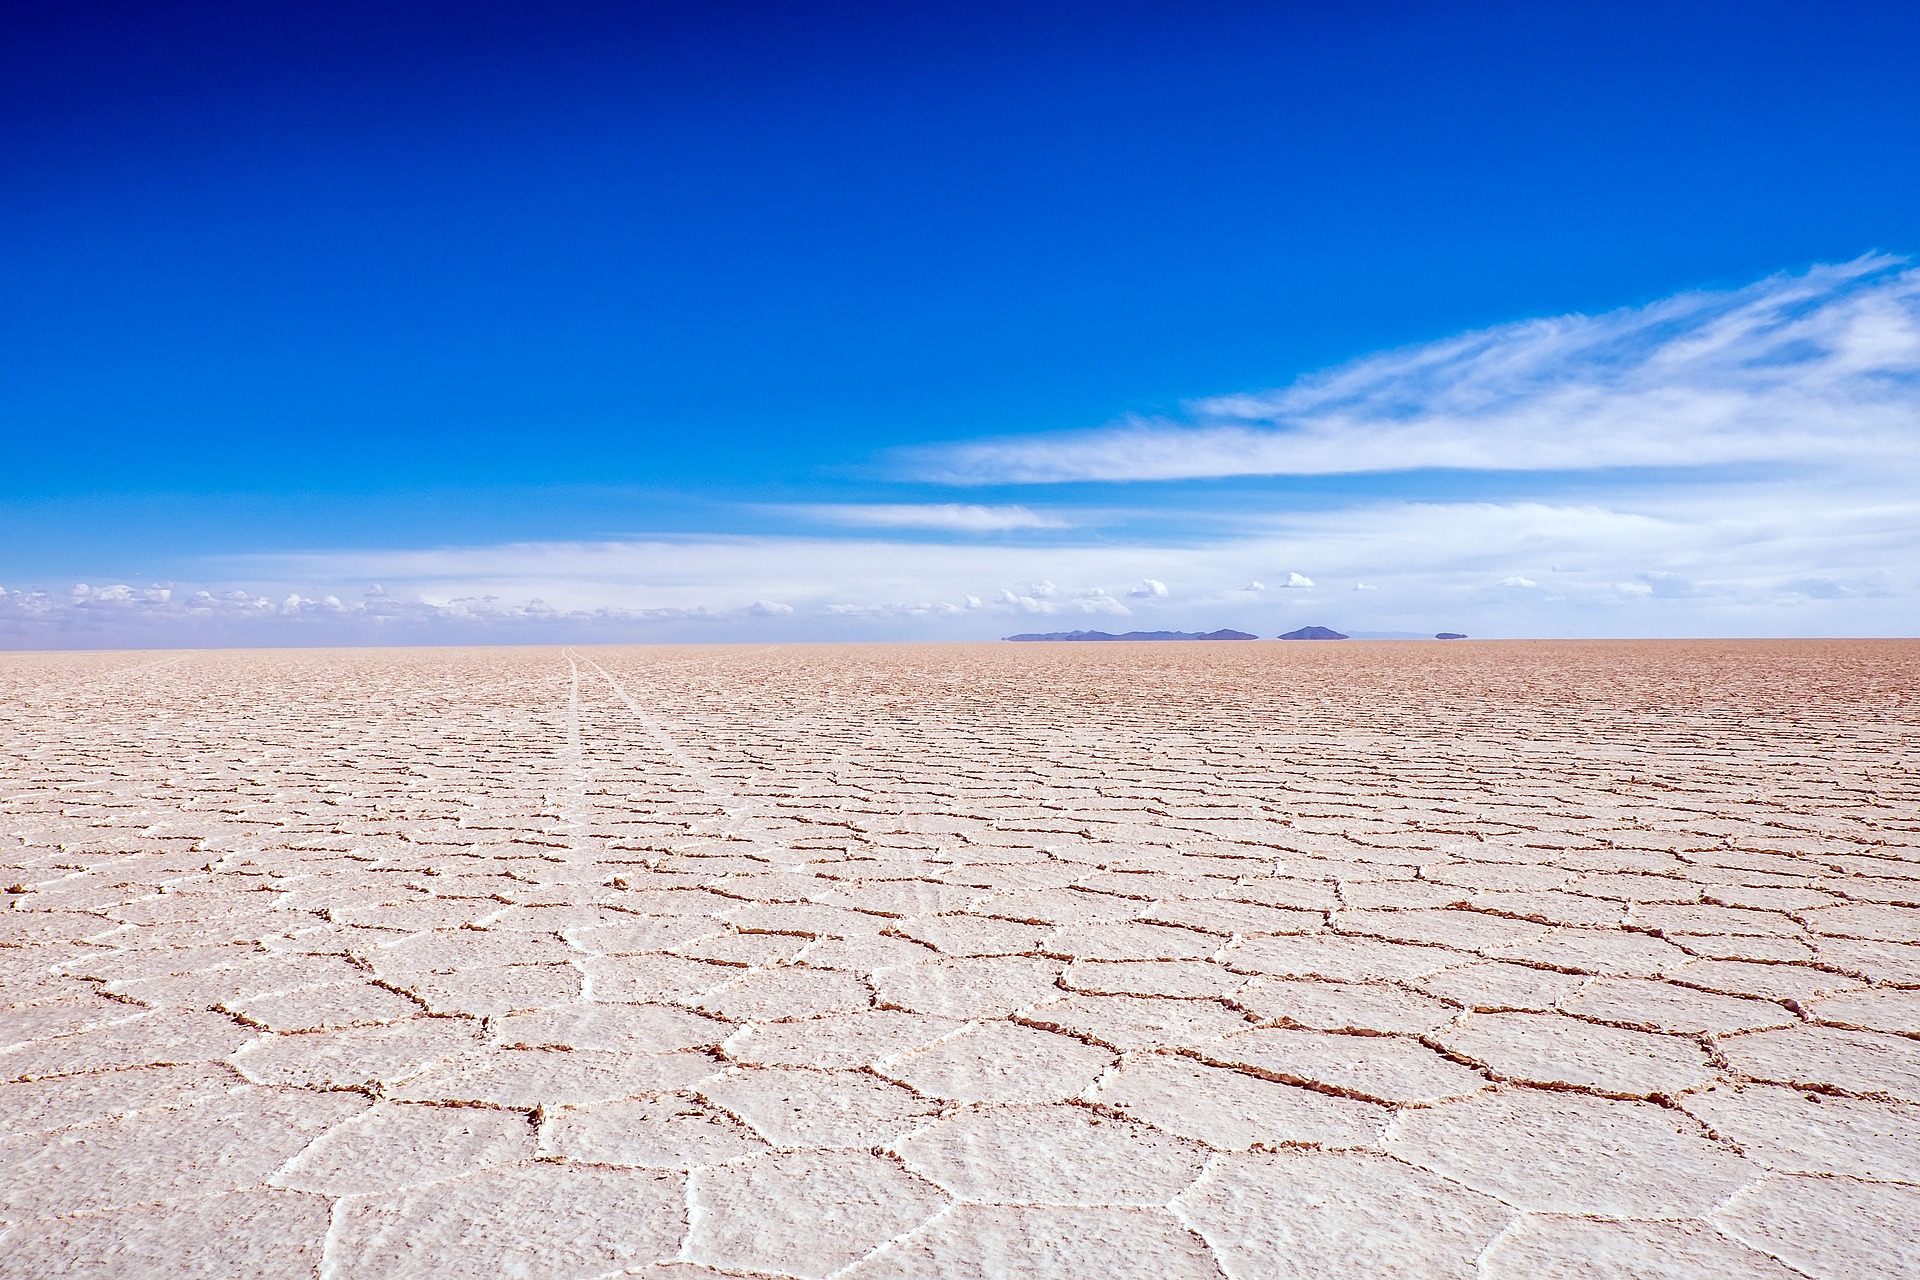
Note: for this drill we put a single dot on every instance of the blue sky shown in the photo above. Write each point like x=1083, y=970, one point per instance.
x=376, y=323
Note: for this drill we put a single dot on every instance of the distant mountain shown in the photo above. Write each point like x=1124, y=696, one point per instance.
x=1450, y=635
x=1313, y=633
x=1135, y=635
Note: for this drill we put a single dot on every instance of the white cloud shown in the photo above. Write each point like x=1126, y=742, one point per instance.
x=1824, y=365
x=1813, y=368
x=899, y=609
x=1100, y=602
x=1772, y=557
x=955, y=517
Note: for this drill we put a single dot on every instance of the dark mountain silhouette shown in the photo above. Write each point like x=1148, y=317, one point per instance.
x=1135, y=635
x=1450, y=635
x=1313, y=633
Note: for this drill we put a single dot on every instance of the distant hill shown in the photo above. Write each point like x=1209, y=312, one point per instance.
x=1450, y=635
x=1313, y=633
x=1135, y=635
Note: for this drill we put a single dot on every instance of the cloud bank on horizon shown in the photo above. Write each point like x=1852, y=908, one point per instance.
x=1738, y=462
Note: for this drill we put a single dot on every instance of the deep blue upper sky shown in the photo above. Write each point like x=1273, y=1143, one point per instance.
x=350, y=272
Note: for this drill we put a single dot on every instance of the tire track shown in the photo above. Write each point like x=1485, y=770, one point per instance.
x=740, y=820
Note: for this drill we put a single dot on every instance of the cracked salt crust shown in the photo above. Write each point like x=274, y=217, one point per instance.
x=1228, y=961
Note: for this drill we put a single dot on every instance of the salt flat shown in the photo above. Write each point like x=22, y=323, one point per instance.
x=1477, y=959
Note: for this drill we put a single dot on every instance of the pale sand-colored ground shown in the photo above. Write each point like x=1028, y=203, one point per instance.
x=1508, y=960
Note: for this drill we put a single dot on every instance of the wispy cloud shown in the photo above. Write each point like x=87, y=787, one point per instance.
x=1819, y=370
x=1819, y=367
x=953, y=517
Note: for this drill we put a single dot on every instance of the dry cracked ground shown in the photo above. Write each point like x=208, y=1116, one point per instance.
x=1258, y=960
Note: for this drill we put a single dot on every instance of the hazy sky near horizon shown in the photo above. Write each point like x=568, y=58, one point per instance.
x=357, y=323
